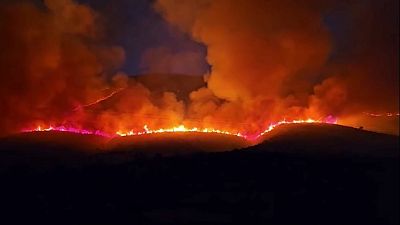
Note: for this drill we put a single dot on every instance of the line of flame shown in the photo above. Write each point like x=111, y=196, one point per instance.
x=69, y=130
x=99, y=100
x=146, y=130
x=389, y=114
x=329, y=120
x=180, y=128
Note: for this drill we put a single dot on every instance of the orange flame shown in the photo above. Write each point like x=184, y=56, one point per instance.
x=99, y=100
x=388, y=114
x=181, y=129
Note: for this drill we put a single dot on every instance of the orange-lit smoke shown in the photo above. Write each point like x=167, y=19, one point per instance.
x=50, y=61
x=270, y=62
x=275, y=59
x=54, y=70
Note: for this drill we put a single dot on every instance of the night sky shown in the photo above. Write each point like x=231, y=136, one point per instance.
x=137, y=27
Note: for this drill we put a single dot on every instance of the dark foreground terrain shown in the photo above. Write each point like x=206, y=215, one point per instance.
x=303, y=174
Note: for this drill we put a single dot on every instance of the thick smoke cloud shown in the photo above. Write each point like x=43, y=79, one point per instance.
x=55, y=71
x=274, y=59
x=163, y=60
x=269, y=60
x=46, y=66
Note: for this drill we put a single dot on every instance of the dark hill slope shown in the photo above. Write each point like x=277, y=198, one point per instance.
x=47, y=149
x=328, y=139
x=263, y=184
x=54, y=148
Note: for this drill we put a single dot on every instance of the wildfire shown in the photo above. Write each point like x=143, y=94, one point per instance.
x=328, y=120
x=389, y=114
x=179, y=129
x=67, y=129
x=100, y=99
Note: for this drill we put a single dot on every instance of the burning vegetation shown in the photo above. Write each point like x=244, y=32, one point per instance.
x=272, y=62
x=179, y=129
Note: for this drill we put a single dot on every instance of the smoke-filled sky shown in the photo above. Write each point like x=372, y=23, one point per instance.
x=143, y=33
x=262, y=61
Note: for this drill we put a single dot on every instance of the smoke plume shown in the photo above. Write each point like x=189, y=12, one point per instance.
x=278, y=59
x=269, y=61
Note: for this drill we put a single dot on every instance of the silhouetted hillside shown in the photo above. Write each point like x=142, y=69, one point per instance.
x=48, y=149
x=53, y=148
x=328, y=139
x=291, y=178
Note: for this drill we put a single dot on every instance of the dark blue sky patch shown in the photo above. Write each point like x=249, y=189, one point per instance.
x=136, y=27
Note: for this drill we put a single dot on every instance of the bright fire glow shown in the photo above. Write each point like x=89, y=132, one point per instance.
x=389, y=114
x=180, y=128
x=100, y=99
x=146, y=130
x=68, y=129
x=329, y=120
